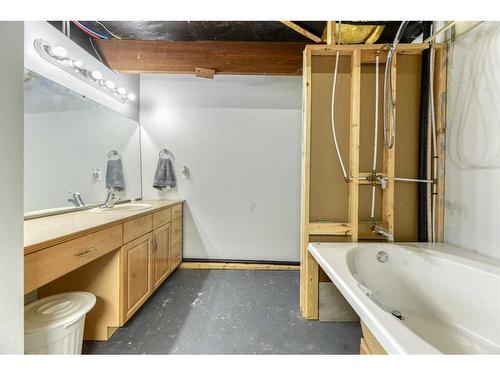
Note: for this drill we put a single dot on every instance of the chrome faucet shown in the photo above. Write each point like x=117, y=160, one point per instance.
x=110, y=200
x=384, y=232
x=77, y=199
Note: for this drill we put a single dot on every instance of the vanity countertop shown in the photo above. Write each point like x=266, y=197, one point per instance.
x=51, y=230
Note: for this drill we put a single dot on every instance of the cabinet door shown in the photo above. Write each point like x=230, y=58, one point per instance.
x=176, y=253
x=136, y=274
x=161, y=254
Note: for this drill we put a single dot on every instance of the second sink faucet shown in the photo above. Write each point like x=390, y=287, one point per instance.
x=110, y=200
x=77, y=199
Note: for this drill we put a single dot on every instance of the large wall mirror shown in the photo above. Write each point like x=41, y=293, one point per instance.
x=67, y=143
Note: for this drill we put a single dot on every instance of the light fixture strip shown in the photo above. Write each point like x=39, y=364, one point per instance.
x=92, y=78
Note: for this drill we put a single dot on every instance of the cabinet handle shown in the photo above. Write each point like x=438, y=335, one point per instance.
x=85, y=252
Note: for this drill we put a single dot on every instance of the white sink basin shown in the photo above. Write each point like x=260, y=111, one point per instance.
x=125, y=207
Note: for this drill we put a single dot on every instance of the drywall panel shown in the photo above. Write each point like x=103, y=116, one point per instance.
x=472, y=205
x=11, y=189
x=240, y=138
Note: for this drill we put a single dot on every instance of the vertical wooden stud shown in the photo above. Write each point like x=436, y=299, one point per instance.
x=355, y=119
x=309, y=269
x=330, y=33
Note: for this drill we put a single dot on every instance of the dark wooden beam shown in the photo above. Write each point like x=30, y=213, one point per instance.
x=137, y=56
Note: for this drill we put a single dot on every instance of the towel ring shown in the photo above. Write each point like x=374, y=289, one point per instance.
x=166, y=153
x=113, y=153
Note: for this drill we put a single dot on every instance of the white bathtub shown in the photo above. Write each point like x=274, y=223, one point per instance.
x=449, y=298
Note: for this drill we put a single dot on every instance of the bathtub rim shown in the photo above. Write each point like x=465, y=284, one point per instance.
x=394, y=336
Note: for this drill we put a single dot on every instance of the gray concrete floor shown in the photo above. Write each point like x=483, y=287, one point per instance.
x=228, y=312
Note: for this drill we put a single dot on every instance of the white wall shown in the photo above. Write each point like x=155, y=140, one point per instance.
x=11, y=189
x=240, y=137
x=472, y=216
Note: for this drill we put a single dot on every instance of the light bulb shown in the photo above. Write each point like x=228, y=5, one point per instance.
x=59, y=52
x=78, y=64
x=97, y=75
x=131, y=96
x=121, y=91
x=68, y=62
x=109, y=84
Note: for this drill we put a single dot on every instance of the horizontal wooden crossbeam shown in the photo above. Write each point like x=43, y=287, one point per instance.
x=148, y=56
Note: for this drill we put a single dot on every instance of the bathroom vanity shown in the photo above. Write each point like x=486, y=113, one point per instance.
x=120, y=256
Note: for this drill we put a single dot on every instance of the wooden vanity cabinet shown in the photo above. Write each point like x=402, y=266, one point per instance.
x=176, y=243
x=161, y=254
x=136, y=283
x=138, y=255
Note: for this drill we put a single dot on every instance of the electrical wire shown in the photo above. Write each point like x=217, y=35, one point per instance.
x=89, y=31
x=95, y=50
x=105, y=28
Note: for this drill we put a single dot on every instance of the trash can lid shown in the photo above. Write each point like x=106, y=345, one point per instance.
x=57, y=311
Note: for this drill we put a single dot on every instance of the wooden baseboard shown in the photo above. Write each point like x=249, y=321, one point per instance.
x=236, y=266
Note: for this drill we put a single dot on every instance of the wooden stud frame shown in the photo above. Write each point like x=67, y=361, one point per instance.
x=360, y=54
x=354, y=131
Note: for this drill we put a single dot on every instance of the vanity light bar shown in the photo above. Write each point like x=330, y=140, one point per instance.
x=59, y=57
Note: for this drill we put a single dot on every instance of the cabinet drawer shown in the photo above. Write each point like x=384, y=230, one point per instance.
x=135, y=228
x=44, y=266
x=177, y=212
x=162, y=217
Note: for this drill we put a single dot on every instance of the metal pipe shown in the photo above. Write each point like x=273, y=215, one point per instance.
x=347, y=178
x=433, y=36
x=434, y=143
x=412, y=180
x=375, y=136
x=388, y=84
x=423, y=204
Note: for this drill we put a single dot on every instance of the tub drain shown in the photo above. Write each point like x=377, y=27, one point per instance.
x=398, y=314
x=382, y=256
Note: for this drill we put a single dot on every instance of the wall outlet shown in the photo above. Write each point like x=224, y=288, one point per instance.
x=97, y=174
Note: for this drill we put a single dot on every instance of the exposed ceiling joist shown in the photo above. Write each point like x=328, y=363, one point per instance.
x=302, y=31
x=253, y=58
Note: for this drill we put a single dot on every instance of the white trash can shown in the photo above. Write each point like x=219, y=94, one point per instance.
x=54, y=325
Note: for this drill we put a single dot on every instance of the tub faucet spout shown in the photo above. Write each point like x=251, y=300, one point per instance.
x=384, y=232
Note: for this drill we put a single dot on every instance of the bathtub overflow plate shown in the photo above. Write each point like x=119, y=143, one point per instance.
x=398, y=314
x=382, y=256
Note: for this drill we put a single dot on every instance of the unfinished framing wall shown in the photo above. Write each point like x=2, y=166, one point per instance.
x=335, y=211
